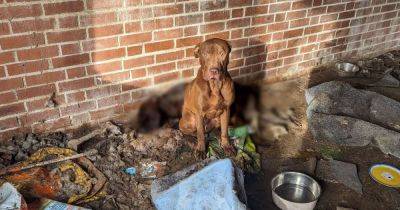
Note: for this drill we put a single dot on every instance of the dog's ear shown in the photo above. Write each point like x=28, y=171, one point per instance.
x=229, y=47
x=196, y=51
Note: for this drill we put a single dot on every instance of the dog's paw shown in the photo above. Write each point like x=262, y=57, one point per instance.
x=229, y=150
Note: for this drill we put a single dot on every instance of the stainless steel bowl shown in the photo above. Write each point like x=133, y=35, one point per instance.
x=295, y=191
x=345, y=69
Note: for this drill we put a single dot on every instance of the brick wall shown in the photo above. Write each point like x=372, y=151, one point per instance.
x=67, y=62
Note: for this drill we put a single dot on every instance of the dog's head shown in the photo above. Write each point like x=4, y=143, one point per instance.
x=214, y=57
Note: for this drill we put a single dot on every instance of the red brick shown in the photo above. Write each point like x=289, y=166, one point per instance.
x=133, y=2
x=99, y=44
x=98, y=19
x=12, y=109
x=9, y=84
x=256, y=59
x=76, y=84
x=151, y=25
x=188, y=19
x=103, y=4
x=159, y=46
x=166, y=77
x=189, y=63
x=313, y=29
x=212, y=27
x=279, y=7
x=139, y=13
x=293, y=33
x=105, y=31
x=137, y=62
x=238, y=12
x=43, y=116
x=317, y=11
x=43, y=103
x=78, y=108
x=336, y=8
x=254, y=50
x=22, y=11
x=135, y=84
x=69, y=49
x=133, y=27
x=278, y=27
x=63, y=7
x=296, y=14
x=262, y=20
x=6, y=57
x=113, y=78
x=36, y=91
x=75, y=97
x=108, y=54
x=218, y=15
x=161, y=68
x=8, y=123
x=136, y=38
x=66, y=36
x=190, y=41
x=76, y=72
x=303, y=4
x=170, y=56
x=257, y=10
x=106, y=113
x=32, y=25
x=4, y=29
x=22, y=41
x=114, y=100
x=168, y=10
x=237, y=33
x=191, y=31
x=104, y=67
x=255, y=31
x=70, y=60
x=27, y=67
x=134, y=50
x=239, y=3
x=44, y=78
x=299, y=22
x=347, y=14
x=138, y=73
x=52, y=125
x=8, y=97
x=38, y=53
x=68, y=22
x=238, y=23
x=103, y=91
x=168, y=34
x=221, y=35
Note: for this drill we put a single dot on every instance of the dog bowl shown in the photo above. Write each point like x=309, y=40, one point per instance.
x=345, y=69
x=293, y=190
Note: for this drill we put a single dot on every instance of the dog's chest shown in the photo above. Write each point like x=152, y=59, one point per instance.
x=215, y=106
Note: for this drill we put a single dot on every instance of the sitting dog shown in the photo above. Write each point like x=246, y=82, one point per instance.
x=209, y=96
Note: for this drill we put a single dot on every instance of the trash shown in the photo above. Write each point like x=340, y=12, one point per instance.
x=63, y=181
x=48, y=204
x=74, y=143
x=345, y=69
x=130, y=171
x=219, y=185
x=246, y=157
x=10, y=198
x=385, y=174
x=339, y=172
x=153, y=169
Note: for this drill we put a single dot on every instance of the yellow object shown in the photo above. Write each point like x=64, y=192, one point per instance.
x=386, y=175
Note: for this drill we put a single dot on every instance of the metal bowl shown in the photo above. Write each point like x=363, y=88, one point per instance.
x=294, y=190
x=345, y=69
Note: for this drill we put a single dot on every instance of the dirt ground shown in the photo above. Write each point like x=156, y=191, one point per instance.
x=283, y=140
x=297, y=146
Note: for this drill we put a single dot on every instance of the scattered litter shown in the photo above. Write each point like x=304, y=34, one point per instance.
x=130, y=170
x=10, y=198
x=246, y=157
x=219, y=185
x=339, y=172
x=48, y=204
x=386, y=175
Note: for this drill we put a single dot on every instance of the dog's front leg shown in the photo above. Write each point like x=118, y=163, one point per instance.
x=201, y=141
x=228, y=149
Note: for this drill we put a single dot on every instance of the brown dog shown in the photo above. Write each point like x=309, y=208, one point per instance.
x=209, y=96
